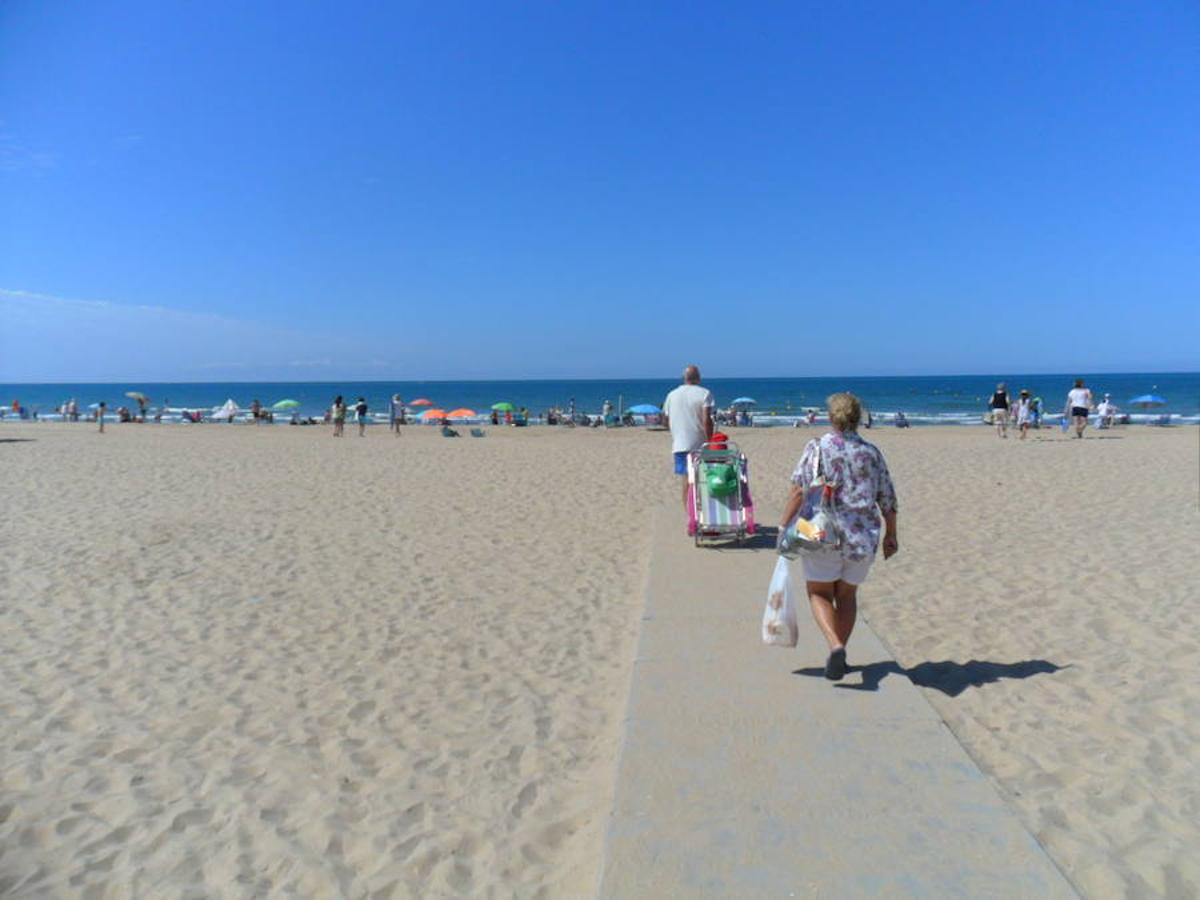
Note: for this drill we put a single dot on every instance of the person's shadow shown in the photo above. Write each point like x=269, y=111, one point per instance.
x=951, y=678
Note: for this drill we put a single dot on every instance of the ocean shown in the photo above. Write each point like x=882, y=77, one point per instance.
x=925, y=400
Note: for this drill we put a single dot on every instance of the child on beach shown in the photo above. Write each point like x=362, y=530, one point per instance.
x=360, y=415
x=396, y=419
x=338, y=411
x=1024, y=413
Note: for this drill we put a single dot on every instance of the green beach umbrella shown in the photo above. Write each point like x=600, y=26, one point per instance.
x=503, y=407
x=286, y=404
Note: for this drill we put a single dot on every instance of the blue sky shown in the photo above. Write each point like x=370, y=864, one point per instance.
x=295, y=191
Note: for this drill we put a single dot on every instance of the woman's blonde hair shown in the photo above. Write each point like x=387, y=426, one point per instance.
x=845, y=411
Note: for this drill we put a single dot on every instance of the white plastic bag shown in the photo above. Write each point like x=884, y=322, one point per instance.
x=779, y=626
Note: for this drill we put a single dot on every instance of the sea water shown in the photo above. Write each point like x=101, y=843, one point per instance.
x=925, y=400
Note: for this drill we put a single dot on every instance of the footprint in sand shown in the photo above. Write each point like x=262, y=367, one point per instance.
x=361, y=710
x=191, y=817
x=525, y=799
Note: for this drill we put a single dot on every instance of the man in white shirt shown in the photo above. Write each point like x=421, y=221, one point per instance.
x=688, y=411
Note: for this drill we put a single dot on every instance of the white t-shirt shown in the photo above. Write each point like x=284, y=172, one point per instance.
x=685, y=408
x=1079, y=397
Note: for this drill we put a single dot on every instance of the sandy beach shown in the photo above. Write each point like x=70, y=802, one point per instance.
x=242, y=661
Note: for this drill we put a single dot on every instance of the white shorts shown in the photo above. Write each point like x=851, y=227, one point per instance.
x=831, y=566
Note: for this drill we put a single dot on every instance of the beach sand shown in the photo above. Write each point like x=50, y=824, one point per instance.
x=240, y=660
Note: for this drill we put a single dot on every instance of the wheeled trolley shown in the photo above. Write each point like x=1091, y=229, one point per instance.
x=720, y=507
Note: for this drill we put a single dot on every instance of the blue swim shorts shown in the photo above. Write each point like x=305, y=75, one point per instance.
x=681, y=462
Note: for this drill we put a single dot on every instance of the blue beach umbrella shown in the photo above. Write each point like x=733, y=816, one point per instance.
x=1147, y=401
x=744, y=401
x=644, y=409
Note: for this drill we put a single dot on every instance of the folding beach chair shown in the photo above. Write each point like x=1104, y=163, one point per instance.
x=720, y=507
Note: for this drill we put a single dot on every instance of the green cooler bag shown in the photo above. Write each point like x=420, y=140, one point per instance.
x=722, y=479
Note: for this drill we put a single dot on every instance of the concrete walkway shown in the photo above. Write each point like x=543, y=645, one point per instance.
x=744, y=773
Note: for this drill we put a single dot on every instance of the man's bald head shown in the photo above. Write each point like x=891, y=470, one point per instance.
x=691, y=375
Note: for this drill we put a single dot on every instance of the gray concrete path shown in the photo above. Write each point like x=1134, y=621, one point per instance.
x=744, y=773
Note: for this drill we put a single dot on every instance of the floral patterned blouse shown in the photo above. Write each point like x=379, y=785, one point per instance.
x=863, y=484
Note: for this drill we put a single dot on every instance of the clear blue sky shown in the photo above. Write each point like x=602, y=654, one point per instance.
x=230, y=190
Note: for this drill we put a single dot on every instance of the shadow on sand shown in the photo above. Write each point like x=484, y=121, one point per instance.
x=951, y=678
x=763, y=539
x=17, y=440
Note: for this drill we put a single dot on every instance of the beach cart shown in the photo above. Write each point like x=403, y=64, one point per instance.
x=719, y=504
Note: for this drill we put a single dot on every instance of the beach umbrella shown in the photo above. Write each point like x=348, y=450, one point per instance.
x=286, y=404
x=645, y=409
x=421, y=401
x=744, y=401
x=138, y=396
x=1148, y=401
x=503, y=406
x=434, y=414
x=463, y=413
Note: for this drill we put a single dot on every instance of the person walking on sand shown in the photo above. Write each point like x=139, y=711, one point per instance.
x=396, y=418
x=360, y=415
x=863, y=490
x=1024, y=413
x=999, y=406
x=338, y=412
x=688, y=410
x=1079, y=405
x=100, y=414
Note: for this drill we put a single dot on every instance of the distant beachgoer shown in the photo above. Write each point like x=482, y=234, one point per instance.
x=1024, y=413
x=360, y=415
x=999, y=406
x=396, y=415
x=255, y=410
x=338, y=411
x=811, y=419
x=688, y=410
x=1079, y=405
x=901, y=420
x=1035, y=412
x=495, y=417
x=100, y=414
x=1106, y=412
x=864, y=490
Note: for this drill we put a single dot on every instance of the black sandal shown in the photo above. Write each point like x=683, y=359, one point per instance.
x=835, y=666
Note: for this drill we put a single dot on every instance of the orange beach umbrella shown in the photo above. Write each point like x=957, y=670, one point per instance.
x=421, y=401
x=434, y=414
x=463, y=413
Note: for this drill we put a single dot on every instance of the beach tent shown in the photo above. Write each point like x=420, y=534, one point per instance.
x=226, y=411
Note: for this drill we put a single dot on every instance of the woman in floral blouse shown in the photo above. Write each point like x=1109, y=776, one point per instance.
x=863, y=491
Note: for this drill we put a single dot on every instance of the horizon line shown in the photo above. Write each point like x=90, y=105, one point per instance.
x=1067, y=374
